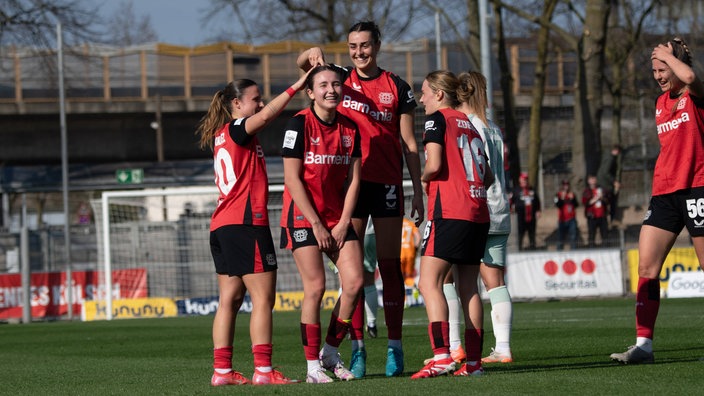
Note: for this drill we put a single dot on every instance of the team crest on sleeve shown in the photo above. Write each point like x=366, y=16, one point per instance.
x=386, y=98
x=347, y=141
x=429, y=125
x=290, y=139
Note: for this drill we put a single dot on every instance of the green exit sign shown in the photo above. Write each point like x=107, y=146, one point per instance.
x=130, y=176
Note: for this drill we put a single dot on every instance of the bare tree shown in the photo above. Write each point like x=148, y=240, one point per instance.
x=538, y=92
x=125, y=28
x=588, y=107
x=33, y=22
x=320, y=21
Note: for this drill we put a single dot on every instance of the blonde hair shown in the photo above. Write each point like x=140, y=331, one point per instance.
x=220, y=111
x=447, y=82
x=472, y=91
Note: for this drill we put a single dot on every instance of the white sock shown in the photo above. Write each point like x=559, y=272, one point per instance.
x=263, y=369
x=313, y=365
x=645, y=344
x=222, y=371
x=501, y=318
x=371, y=304
x=455, y=312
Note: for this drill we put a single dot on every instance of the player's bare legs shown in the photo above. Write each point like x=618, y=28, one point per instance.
x=232, y=292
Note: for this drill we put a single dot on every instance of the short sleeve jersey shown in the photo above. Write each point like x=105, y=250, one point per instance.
x=458, y=191
x=680, y=124
x=240, y=176
x=326, y=151
x=496, y=195
x=375, y=105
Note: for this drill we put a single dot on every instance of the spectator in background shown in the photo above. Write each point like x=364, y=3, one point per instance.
x=609, y=177
x=566, y=203
x=596, y=206
x=526, y=203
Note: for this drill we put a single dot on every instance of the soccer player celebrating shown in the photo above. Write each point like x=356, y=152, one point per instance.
x=321, y=153
x=678, y=186
x=455, y=178
x=240, y=237
x=382, y=105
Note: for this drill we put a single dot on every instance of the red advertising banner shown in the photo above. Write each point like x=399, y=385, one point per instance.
x=49, y=294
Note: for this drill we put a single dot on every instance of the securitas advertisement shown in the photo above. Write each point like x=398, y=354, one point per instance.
x=581, y=273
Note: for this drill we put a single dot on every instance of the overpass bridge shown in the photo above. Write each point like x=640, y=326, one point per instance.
x=138, y=107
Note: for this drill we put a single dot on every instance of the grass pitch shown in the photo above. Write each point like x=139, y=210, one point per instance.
x=559, y=347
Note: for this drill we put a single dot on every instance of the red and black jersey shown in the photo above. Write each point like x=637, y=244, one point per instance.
x=458, y=191
x=680, y=123
x=240, y=175
x=327, y=151
x=375, y=105
x=566, y=203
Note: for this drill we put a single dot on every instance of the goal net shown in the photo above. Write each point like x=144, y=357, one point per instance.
x=165, y=233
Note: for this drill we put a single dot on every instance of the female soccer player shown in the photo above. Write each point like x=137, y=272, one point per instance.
x=472, y=96
x=240, y=237
x=382, y=105
x=455, y=178
x=678, y=186
x=321, y=153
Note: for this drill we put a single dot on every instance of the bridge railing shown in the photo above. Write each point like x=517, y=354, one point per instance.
x=100, y=73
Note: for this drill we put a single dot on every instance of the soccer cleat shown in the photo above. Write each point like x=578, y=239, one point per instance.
x=458, y=355
x=231, y=378
x=634, y=355
x=435, y=368
x=358, y=363
x=470, y=370
x=496, y=357
x=371, y=330
x=318, y=377
x=273, y=377
x=334, y=363
x=394, y=361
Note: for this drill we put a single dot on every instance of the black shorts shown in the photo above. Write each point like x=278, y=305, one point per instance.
x=293, y=238
x=242, y=249
x=672, y=212
x=379, y=200
x=455, y=241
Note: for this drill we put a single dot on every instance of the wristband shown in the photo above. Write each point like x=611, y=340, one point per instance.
x=290, y=91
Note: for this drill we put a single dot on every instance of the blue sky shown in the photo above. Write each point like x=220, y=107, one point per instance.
x=176, y=22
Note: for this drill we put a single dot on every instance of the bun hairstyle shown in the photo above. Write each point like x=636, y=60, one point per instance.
x=472, y=90
x=681, y=51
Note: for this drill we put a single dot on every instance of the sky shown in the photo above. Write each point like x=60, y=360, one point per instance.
x=176, y=22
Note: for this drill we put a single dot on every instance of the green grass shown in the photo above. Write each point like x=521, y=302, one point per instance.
x=560, y=347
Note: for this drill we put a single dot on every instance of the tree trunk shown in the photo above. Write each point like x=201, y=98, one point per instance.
x=538, y=93
x=586, y=152
x=510, y=125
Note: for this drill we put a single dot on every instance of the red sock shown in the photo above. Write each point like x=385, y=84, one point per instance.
x=222, y=358
x=394, y=295
x=357, y=329
x=647, y=306
x=310, y=336
x=262, y=355
x=439, y=333
x=337, y=330
x=473, y=340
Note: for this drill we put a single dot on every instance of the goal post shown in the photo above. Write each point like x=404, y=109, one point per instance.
x=163, y=234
